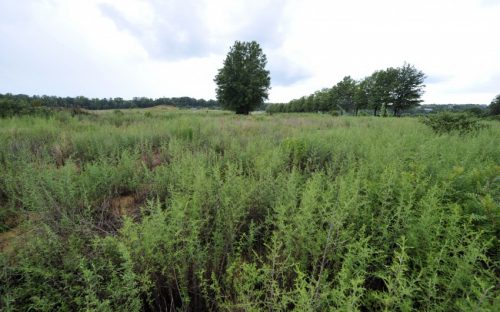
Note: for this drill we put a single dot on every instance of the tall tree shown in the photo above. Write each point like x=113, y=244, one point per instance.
x=243, y=82
x=323, y=100
x=380, y=86
x=361, y=93
x=343, y=93
x=495, y=106
x=408, y=89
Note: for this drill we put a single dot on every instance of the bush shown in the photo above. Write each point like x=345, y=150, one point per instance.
x=447, y=122
x=335, y=113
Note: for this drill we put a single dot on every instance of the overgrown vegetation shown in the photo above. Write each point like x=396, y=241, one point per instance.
x=194, y=211
x=447, y=122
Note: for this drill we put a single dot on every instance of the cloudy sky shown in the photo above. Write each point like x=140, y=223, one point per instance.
x=154, y=48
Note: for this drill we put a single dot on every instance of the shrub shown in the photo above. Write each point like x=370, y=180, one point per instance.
x=447, y=122
x=335, y=113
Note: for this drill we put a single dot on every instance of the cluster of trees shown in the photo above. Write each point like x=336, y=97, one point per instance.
x=395, y=89
x=24, y=101
x=10, y=107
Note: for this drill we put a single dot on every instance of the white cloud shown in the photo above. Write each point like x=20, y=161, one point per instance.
x=173, y=48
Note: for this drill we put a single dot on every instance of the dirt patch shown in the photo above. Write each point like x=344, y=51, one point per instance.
x=6, y=239
x=162, y=107
x=58, y=155
x=153, y=160
x=125, y=205
x=16, y=230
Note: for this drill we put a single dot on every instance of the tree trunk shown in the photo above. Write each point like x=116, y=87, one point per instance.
x=242, y=111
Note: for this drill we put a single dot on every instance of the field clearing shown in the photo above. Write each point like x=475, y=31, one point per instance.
x=163, y=209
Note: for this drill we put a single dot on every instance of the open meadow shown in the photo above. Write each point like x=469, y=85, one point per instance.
x=178, y=210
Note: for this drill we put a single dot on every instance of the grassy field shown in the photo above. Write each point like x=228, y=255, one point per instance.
x=188, y=211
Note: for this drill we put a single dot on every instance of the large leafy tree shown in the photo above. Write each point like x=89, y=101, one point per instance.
x=243, y=82
x=495, y=106
x=408, y=89
x=343, y=94
x=380, y=88
x=361, y=96
x=323, y=100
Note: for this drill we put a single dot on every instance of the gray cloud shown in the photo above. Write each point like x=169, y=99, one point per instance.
x=177, y=30
x=180, y=29
x=285, y=72
x=265, y=24
x=120, y=21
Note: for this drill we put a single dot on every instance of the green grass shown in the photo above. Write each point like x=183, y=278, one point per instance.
x=177, y=210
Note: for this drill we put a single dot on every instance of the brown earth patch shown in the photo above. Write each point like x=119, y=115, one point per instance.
x=162, y=107
x=153, y=160
x=16, y=230
x=6, y=239
x=125, y=205
x=58, y=155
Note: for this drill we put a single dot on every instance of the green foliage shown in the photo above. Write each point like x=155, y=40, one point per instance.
x=343, y=94
x=399, y=89
x=495, y=106
x=81, y=102
x=383, y=111
x=188, y=211
x=243, y=82
x=9, y=108
x=408, y=88
x=446, y=122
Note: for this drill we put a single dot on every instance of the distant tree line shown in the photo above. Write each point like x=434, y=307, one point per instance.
x=390, y=90
x=425, y=109
x=23, y=102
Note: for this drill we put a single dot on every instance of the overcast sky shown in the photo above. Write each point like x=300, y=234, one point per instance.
x=154, y=48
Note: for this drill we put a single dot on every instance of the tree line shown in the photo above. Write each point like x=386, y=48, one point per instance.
x=23, y=102
x=389, y=90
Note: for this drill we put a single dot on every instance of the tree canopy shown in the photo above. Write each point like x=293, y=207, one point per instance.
x=243, y=82
x=495, y=106
x=408, y=88
x=397, y=89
